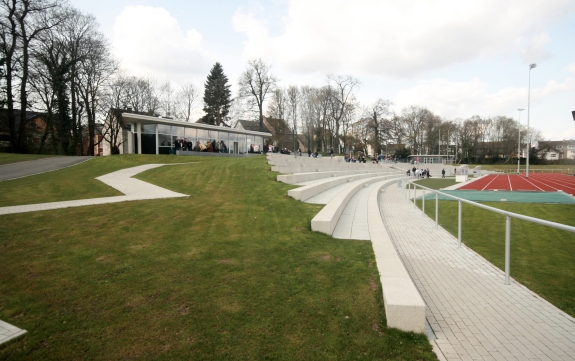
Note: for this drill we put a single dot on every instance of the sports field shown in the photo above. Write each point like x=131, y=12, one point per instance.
x=537, y=182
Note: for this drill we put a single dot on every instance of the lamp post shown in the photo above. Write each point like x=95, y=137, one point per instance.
x=519, y=140
x=531, y=66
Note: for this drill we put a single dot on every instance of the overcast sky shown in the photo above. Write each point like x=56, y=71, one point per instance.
x=458, y=58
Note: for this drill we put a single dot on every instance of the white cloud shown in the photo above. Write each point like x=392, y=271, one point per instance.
x=533, y=51
x=149, y=41
x=555, y=135
x=571, y=68
x=463, y=99
x=399, y=39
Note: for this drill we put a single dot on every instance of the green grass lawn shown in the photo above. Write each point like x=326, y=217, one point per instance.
x=77, y=182
x=7, y=158
x=436, y=183
x=231, y=273
x=542, y=258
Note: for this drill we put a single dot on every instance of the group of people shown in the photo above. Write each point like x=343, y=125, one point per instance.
x=419, y=173
x=198, y=146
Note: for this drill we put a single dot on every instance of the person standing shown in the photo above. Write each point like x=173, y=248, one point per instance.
x=331, y=153
x=443, y=173
x=309, y=152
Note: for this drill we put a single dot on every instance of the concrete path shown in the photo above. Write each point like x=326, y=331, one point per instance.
x=134, y=189
x=473, y=314
x=24, y=169
x=9, y=332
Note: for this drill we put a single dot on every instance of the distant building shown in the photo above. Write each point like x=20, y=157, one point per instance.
x=557, y=149
x=35, y=127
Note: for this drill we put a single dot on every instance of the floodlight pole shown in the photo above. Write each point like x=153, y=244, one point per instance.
x=519, y=141
x=531, y=66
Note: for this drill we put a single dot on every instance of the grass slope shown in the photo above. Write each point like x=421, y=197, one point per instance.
x=7, y=158
x=231, y=273
x=75, y=182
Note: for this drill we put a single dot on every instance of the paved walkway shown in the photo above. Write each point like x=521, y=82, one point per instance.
x=24, y=169
x=473, y=314
x=9, y=332
x=134, y=189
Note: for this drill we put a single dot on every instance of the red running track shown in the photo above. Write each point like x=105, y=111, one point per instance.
x=537, y=182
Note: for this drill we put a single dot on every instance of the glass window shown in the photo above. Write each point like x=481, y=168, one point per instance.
x=203, y=133
x=164, y=140
x=191, y=133
x=213, y=134
x=164, y=129
x=149, y=128
x=179, y=131
x=233, y=136
x=224, y=135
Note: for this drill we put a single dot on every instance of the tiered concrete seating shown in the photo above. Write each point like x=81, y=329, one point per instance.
x=342, y=186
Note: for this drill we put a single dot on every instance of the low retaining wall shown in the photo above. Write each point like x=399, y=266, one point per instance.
x=326, y=220
x=404, y=306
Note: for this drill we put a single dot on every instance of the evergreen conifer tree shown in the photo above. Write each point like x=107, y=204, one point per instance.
x=217, y=96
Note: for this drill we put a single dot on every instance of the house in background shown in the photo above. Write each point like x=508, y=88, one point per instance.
x=35, y=128
x=557, y=149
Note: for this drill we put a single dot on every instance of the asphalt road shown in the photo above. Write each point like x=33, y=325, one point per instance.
x=24, y=169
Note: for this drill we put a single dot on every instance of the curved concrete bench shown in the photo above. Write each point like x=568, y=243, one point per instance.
x=326, y=220
x=304, y=177
x=289, y=169
x=305, y=192
x=404, y=306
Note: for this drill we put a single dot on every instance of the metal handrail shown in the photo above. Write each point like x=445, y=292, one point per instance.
x=507, y=214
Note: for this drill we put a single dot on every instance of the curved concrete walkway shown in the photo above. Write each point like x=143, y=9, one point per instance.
x=31, y=167
x=134, y=189
x=473, y=314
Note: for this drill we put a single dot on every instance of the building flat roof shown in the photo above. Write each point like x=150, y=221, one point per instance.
x=146, y=119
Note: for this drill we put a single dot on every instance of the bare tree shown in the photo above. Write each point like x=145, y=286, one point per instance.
x=255, y=84
x=277, y=107
x=380, y=125
x=186, y=100
x=166, y=98
x=21, y=22
x=116, y=98
x=293, y=96
x=342, y=95
x=96, y=67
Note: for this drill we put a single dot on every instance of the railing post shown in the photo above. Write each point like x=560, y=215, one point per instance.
x=459, y=225
x=423, y=202
x=507, y=248
x=414, y=194
x=436, y=210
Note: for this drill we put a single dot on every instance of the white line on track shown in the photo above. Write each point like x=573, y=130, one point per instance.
x=490, y=182
x=555, y=183
x=562, y=181
x=509, y=180
x=534, y=185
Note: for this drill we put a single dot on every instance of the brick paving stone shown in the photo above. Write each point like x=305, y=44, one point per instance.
x=473, y=314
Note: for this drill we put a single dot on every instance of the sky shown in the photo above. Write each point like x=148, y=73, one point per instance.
x=458, y=58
